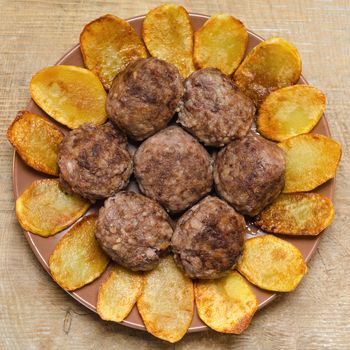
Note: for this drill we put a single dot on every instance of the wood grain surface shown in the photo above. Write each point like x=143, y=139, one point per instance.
x=36, y=314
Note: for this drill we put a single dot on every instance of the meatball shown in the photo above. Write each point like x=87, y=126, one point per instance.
x=213, y=109
x=94, y=161
x=208, y=239
x=144, y=97
x=133, y=230
x=249, y=173
x=173, y=168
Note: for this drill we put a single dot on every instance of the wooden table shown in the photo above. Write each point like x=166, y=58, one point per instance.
x=36, y=314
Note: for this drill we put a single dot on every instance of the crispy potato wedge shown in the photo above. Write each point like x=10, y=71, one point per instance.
x=44, y=209
x=71, y=95
x=78, y=259
x=297, y=214
x=273, y=64
x=311, y=160
x=36, y=140
x=272, y=263
x=226, y=304
x=118, y=294
x=166, y=303
x=290, y=111
x=220, y=43
x=168, y=35
x=108, y=45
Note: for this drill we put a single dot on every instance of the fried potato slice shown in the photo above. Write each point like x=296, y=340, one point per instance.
x=118, y=294
x=272, y=263
x=311, y=160
x=273, y=64
x=290, y=111
x=168, y=35
x=71, y=95
x=78, y=259
x=226, y=304
x=297, y=214
x=166, y=303
x=44, y=209
x=108, y=45
x=220, y=43
x=36, y=140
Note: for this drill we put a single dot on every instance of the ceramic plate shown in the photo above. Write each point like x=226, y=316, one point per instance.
x=42, y=247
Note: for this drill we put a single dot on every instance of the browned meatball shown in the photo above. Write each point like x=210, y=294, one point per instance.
x=133, y=230
x=208, y=239
x=249, y=173
x=143, y=97
x=173, y=168
x=94, y=161
x=213, y=109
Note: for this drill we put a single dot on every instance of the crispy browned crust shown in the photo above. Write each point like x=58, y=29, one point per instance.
x=208, y=239
x=94, y=161
x=249, y=173
x=134, y=230
x=297, y=214
x=213, y=109
x=96, y=47
x=143, y=98
x=173, y=168
x=34, y=160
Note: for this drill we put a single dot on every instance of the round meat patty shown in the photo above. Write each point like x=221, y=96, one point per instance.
x=94, y=161
x=173, y=168
x=208, y=239
x=213, y=109
x=133, y=230
x=144, y=97
x=249, y=173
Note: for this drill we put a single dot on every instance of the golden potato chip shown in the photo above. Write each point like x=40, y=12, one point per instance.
x=226, y=304
x=290, y=111
x=78, y=259
x=168, y=35
x=272, y=263
x=166, y=303
x=311, y=160
x=273, y=64
x=36, y=141
x=44, y=209
x=71, y=95
x=220, y=43
x=297, y=214
x=118, y=294
x=108, y=45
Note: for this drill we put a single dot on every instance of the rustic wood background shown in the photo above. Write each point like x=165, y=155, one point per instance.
x=36, y=314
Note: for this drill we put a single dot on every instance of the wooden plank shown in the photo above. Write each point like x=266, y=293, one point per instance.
x=36, y=314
